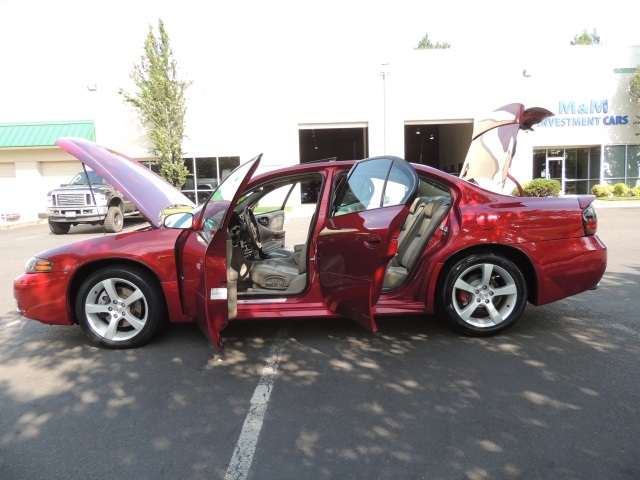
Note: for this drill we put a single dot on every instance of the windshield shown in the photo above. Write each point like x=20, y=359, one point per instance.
x=94, y=178
x=216, y=207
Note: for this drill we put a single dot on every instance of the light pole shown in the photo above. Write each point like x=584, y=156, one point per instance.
x=384, y=73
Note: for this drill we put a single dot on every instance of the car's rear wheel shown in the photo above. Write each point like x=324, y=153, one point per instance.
x=114, y=220
x=59, y=228
x=484, y=294
x=120, y=307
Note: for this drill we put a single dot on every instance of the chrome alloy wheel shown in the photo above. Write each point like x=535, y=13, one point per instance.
x=484, y=295
x=116, y=309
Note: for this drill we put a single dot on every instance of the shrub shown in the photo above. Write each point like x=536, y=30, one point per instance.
x=621, y=190
x=602, y=190
x=540, y=187
x=635, y=191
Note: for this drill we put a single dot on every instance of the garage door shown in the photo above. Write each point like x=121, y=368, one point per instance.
x=7, y=170
x=55, y=174
x=7, y=187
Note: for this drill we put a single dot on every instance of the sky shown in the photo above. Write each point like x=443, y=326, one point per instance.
x=65, y=44
x=34, y=31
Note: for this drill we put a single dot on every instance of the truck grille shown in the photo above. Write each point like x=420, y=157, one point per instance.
x=71, y=199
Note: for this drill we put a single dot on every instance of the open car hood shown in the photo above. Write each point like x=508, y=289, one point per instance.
x=150, y=193
x=493, y=143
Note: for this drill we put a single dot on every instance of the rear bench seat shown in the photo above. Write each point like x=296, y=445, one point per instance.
x=425, y=215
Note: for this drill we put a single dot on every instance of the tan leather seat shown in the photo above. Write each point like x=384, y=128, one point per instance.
x=287, y=274
x=424, y=217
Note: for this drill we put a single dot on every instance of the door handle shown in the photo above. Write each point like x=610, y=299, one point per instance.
x=373, y=241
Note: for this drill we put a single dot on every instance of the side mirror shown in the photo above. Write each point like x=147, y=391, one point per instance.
x=180, y=220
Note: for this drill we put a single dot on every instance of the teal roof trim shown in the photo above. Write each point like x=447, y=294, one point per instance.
x=44, y=134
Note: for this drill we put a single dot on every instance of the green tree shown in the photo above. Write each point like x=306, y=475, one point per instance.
x=634, y=85
x=160, y=104
x=425, y=44
x=586, y=38
x=634, y=91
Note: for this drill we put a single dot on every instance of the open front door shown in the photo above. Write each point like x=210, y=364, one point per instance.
x=208, y=286
x=360, y=236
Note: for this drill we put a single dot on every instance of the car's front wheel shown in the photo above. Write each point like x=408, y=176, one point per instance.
x=120, y=307
x=484, y=294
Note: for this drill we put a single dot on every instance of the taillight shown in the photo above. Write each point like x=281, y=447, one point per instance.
x=590, y=220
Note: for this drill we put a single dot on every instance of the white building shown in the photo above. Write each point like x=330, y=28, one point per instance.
x=418, y=106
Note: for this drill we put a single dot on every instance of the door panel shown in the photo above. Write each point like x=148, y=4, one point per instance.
x=270, y=226
x=353, y=252
x=207, y=287
x=361, y=236
x=272, y=220
x=208, y=284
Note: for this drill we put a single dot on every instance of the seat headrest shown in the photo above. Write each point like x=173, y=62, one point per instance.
x=434, y=205
x=418, y=201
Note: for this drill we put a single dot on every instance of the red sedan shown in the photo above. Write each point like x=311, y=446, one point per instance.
x=363, y=239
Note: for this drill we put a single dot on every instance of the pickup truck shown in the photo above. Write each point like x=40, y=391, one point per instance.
x=76, y=203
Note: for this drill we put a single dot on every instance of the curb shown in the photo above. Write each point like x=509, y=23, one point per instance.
x=11, y=226
x=605, y=204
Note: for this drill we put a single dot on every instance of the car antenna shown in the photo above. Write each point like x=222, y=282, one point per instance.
x=93, y=197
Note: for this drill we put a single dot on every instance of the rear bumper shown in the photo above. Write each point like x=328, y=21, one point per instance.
x=567, y=267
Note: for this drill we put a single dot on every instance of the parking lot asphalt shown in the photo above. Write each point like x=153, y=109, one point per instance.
x=557, y=396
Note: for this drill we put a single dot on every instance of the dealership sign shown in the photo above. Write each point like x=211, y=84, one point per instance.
x=594, y=113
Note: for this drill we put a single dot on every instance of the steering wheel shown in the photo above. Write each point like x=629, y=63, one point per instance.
x=250, y=227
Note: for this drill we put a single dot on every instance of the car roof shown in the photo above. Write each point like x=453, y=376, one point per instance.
x=317, y=167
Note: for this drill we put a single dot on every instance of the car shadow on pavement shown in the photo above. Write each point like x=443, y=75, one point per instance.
x=414, y=400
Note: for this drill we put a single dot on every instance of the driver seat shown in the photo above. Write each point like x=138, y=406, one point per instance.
x=284, y=274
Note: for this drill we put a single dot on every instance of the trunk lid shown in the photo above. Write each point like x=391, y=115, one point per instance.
x=493, y=142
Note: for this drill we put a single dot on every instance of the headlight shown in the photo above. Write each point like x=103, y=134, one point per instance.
x=38, y=265
x=101, y=199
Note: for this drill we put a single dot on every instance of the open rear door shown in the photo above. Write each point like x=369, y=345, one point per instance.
x=208, y=285
x=361, y=235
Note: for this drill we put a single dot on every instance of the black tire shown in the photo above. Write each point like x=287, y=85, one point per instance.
x=59, y=228
x=112, y=321
x=114, y=220
x=494, y=284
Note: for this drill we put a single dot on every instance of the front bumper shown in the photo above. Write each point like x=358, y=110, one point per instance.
x=81, y=214
x=42, y=297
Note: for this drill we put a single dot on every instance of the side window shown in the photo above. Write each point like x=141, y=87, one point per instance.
x=274, y=200
x=363, y=190
x=338, y=182
x=399, y=185
x=375, y=183
x=429, y=188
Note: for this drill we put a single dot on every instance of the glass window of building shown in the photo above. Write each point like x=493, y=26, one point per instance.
x=577, y=169
x=205, y=174
x=622, y=164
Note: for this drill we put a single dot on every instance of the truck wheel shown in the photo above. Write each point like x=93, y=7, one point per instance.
x=59, y=228
x=114, y=220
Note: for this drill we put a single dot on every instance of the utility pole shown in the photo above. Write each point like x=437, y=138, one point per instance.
x=384, y=73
